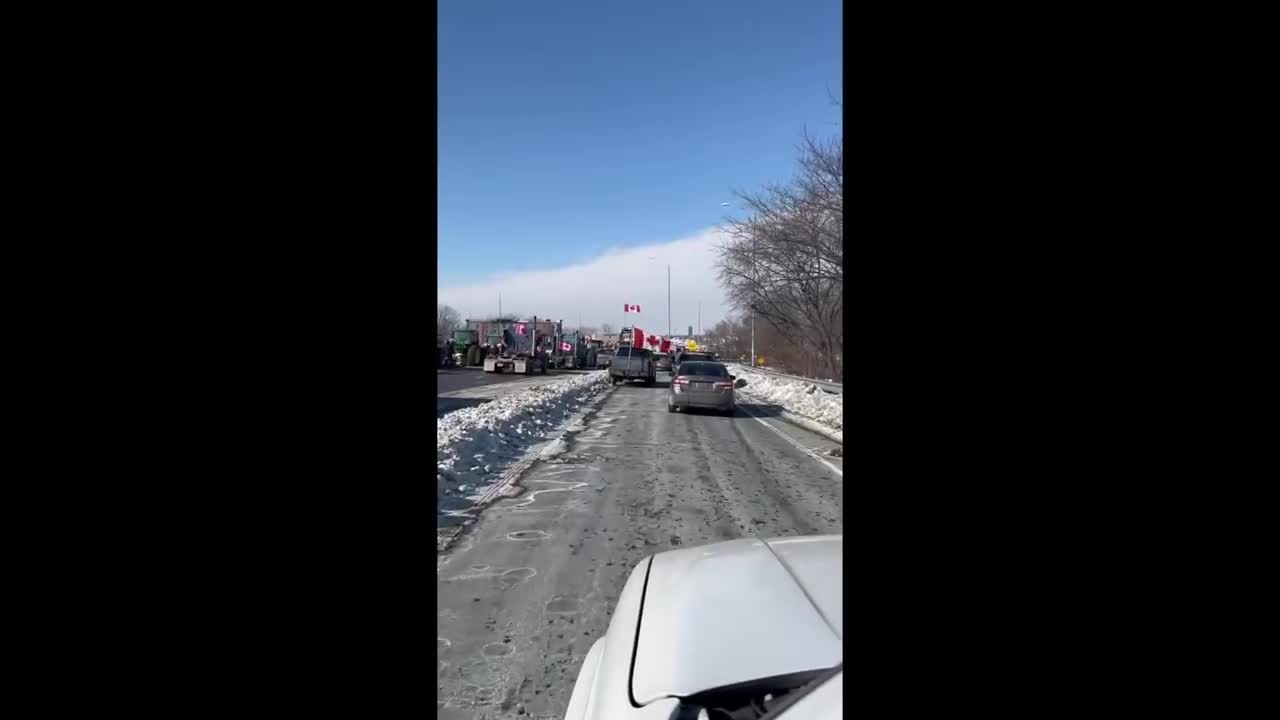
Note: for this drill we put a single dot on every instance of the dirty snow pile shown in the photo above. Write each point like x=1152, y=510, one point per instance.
x=475, y=445
x=795, y=396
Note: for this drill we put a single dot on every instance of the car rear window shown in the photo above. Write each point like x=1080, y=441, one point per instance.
x=708, y=369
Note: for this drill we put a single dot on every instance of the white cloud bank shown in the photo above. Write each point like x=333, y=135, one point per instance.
x=599, y=288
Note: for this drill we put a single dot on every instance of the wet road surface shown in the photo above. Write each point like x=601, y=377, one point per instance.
x=524, y=592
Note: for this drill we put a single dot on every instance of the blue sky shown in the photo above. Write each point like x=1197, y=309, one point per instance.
x=569, y=129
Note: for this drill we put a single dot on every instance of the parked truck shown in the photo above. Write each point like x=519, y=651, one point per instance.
x=575, y=351
x=632, y=363
x=564, y=351
x=519, y=346
x=593, y=352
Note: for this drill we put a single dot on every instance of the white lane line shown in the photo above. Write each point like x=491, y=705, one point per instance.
x=788, y=438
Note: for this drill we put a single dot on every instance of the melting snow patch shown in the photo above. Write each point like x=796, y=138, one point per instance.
x=795, y=396
x=498, y=433
x=555, y=449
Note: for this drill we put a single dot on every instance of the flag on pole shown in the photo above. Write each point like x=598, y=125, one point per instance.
x=630, y=308
x=566, y=346
x=519, y=328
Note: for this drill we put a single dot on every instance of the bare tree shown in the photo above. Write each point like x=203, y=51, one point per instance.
x=447, y=320
x=785, y=262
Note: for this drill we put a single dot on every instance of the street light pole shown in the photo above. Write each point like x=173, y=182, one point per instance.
x=753, y=305
x=668, y=301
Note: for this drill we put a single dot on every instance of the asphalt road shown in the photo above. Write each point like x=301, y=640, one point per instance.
x=468, y=377
x=524, y=592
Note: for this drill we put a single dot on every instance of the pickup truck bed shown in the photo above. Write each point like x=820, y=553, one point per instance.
x=628, y=364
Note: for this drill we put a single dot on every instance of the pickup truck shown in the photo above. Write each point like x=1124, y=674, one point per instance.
x=689, y=356
x=632, y=364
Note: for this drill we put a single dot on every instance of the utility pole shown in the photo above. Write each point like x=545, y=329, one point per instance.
x=699, y=318
x=668, y=301
x=753, y=289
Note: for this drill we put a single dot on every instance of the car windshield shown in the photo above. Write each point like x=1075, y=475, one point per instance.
x=707, y=369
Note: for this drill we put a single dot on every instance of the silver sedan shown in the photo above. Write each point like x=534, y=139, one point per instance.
x=701, y=384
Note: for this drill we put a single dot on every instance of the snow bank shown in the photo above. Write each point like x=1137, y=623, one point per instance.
x=795, y=396
x=474, y=445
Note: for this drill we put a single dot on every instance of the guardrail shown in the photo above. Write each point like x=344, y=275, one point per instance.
x=831, y=387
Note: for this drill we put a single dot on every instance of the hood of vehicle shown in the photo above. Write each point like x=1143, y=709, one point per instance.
x=735, y=611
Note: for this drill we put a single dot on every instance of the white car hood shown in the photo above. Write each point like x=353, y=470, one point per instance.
x=736, y=611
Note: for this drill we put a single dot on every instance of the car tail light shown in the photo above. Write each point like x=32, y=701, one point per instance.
x=681, y=381
x=726, y=385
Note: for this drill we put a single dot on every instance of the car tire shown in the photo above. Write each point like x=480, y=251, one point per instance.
x=671, y=408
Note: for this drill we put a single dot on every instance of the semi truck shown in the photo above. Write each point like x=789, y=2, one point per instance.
x=591, y=353
x=524, y=346
x=572, y=351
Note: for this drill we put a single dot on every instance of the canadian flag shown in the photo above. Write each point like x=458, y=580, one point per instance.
x=566, y=346
x=666, y=346
x=637, y=337
x=519, y=329
x=631, y=308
